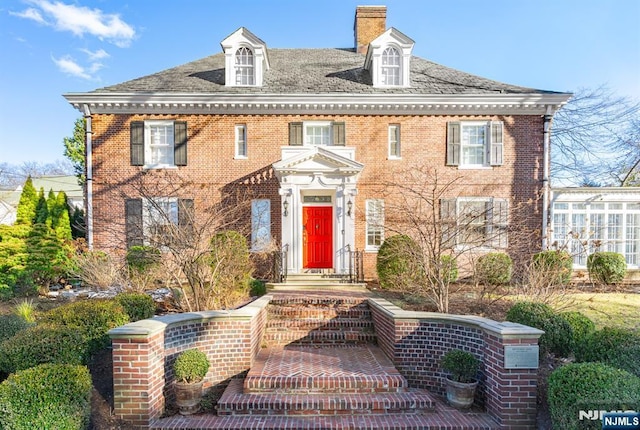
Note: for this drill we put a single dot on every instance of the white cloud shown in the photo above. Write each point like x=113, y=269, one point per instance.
x=96, y=55
x=30, y=13
x=81, y=20
x=69, y=66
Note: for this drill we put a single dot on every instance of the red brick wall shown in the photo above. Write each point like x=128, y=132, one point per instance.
x=212, y=169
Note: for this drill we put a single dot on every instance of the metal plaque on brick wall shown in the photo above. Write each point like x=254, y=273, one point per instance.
x=521, y=356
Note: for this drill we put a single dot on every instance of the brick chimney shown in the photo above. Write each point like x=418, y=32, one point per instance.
x=370, y=22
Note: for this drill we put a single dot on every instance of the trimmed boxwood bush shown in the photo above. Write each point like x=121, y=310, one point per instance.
x=138, y=306
x=395, y=262
x=558, y=335
x=42, y=344
x=557, y=264
x=581, y=326
x=142, y=258
x=10, y=325
x=93, y=317
x=49, y=396
x=191, y=366
x=589, y=386
x=494, y=268
x=618, y=347
x=607, y=267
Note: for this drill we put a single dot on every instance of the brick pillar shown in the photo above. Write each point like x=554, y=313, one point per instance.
x=138, y=377
x=510, y=393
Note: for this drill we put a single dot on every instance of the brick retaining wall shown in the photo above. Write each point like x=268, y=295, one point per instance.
x=416, y=342
x=144, y=352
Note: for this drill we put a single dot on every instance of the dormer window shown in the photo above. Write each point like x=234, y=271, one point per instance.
x=388, y=59
x=244, y=67
x=246, y=59
x=390, y=67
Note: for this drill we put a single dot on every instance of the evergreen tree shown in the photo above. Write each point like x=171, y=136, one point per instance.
x=42, y=210
x=76, y=218
x=26, y=211
x=61, y=217
x=74, y=149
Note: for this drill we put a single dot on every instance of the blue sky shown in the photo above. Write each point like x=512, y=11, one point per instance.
x=52, y=47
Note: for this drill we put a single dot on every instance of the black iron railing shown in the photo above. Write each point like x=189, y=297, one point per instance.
x=279, y=265
x=356, y=266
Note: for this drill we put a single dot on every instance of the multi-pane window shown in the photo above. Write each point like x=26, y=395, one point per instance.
x=474, y=138
x=241, y=141
x=374, y=223
x=390, y=67
x=583, y=228
x=394, y=141
x=244, y=66
x=474, y=222
x=159, y=144
x=260, y=224
x=317, y=133
x=159, y=218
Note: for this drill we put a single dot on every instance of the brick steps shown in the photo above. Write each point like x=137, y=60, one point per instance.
x=236, y=402
x=319, y=336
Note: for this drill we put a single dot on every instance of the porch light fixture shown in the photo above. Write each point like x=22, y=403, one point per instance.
x=285, y=205
x=349, y=207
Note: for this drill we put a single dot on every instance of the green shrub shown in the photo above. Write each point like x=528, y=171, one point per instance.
x=231, y=261
x=618, y=347
x=589, y=386
x=142, y=258
x=556, y=264
x=139, y=306
x=40, y=344
x=462, y=365
x=258, y=288
x=49, y=396
x=494, y=268
x=607, y=267
x=448, y=268
x=397, y=264
x=10, y=325
x=581, y=326
x=191, y=366
x=558, y=335
x=93, y=317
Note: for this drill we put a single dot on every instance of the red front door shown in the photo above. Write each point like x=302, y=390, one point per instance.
x=317, y=226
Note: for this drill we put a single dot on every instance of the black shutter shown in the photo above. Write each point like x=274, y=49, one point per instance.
x=295, y=133
x=133, y=220
x=137, y=143
x=339, y=134
x=186, y=212
x=496, y=147
x=180, y=143
x=499, y=222
x=448, y=222
x=453, y=144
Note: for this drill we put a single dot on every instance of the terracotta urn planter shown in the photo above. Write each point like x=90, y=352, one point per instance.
x=188, y=396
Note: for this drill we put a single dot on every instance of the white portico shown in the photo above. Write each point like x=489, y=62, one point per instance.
x=318, y=185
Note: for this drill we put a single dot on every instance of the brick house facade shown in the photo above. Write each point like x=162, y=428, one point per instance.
x=313, y=138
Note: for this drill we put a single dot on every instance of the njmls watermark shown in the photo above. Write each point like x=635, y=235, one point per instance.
x=613, y=420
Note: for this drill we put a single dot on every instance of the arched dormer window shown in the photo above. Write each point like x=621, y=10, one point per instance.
x=388, y=59
x=244, y=66
x=390, y=67
x=245, y=59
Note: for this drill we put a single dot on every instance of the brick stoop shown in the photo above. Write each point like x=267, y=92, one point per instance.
x=320, y=368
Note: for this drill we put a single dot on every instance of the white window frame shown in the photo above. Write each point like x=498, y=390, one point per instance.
x=244, y=70
x=306, y=135
x=158, y=211
x=241, y=149
x=260, y=224
x=394, y=136
x=485, y=125
x=374, y=224
x=490, y=224
x=151, y=142
x=577, y=227
x=395, y=67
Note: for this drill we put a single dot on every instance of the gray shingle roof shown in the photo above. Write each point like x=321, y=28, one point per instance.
x=314, y=71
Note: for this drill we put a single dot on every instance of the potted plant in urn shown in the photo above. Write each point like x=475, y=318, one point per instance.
x=189, y=369
x=461, y=382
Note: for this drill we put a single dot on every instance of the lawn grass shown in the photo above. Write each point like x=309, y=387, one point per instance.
x=609, y=309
